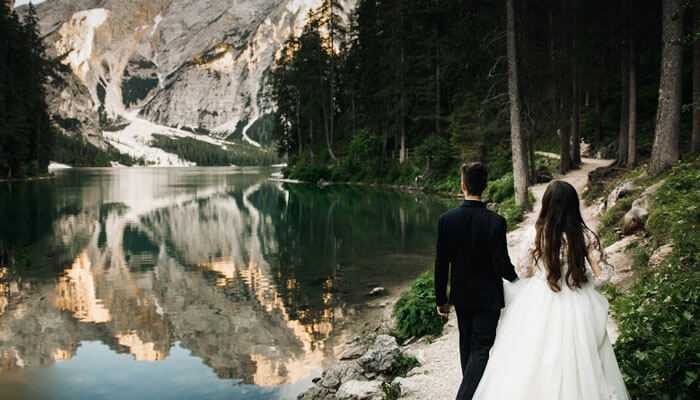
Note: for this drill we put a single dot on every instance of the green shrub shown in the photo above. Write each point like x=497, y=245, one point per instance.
x=392, y=391
x=436, y=155
x=309, y=172
x=415, y=311
x=403, y=365
x=511, y=212
x=500, y=190
x=659, y=345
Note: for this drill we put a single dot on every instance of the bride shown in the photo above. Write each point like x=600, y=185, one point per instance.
x=552, y=342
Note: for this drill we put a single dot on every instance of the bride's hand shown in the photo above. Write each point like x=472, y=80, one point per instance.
x=444, y=310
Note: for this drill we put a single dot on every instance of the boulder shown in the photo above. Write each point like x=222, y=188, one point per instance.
x=619, y=192
x=381, y=355
x=635, y=219
x=542, y=175
x=317, y=393
x=353, y=351
x=343, y=371
x=621, y=261
x=360, y=390
x=660, y=255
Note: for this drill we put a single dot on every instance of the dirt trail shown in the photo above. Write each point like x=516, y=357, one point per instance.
x=439, y=374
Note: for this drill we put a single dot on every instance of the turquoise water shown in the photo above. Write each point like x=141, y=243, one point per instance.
x=192, y=283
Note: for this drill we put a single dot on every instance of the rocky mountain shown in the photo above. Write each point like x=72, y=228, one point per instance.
x=196, y=66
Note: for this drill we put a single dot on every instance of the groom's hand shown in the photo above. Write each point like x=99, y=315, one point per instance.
x=444, y=310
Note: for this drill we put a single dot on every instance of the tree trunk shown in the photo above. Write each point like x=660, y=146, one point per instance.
x=402, y=113
x=575, y=125
x=326, y=129
x=311, y=137
x=520, y=169
x=575, y=106
x=695, y=140
x=437, y=90
x=532, y=160
x=624, y=110
x=599, y=120
x=632, y=124
x=665, y=151
x=300, y=150
x=331, y=114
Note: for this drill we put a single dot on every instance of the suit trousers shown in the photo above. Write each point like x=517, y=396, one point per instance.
x=477, y=332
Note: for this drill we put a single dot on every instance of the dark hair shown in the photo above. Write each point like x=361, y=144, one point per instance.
x=560, y=228
x=474, y=177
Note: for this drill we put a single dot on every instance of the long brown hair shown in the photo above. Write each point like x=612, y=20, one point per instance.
x=561, y=229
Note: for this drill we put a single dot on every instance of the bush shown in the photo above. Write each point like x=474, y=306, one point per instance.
x=659, y=345
x=309, y=172
x=511, y=212
x=500, y=190
x=611, y=220
x=436, y=154
x=415, y=311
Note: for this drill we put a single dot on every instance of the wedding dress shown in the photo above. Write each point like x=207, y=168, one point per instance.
x=553, y=345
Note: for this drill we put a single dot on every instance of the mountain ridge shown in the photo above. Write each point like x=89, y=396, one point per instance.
x=197, y=66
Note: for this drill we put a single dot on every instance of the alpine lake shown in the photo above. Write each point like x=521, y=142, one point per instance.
x=194, y=283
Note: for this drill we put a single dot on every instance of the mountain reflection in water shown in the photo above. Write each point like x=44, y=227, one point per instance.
x=261, y=282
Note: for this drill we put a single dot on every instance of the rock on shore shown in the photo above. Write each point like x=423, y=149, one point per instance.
x=362, y=372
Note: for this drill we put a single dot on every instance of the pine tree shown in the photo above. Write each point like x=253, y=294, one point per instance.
x=665, y=150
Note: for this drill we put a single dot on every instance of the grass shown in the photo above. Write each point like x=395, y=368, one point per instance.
x=659, y=345
x=414, y=312
x=610, y=221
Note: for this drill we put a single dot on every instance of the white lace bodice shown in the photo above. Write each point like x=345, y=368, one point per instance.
x=598, y=270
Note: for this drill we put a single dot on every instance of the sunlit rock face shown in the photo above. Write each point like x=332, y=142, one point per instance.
x=182, y=63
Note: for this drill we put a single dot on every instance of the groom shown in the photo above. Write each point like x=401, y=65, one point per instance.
x=472, y=255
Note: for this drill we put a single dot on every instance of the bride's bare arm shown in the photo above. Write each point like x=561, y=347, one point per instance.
x=602, y=271
x=526, y=264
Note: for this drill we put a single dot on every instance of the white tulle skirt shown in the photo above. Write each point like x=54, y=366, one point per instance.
x=552, y=346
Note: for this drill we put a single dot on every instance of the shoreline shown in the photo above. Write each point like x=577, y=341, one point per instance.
x=438, y=374
x=28, y=179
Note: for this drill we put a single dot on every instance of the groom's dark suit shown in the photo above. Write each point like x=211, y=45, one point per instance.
x=472, y=255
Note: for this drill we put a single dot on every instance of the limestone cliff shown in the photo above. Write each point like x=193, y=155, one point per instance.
x=196, y=65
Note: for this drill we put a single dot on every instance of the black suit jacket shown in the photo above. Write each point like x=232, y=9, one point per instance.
x=473, y=255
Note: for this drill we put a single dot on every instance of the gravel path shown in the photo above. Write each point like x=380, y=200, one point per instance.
x=439, y=374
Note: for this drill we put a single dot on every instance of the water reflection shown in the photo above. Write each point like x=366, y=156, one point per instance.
x=257, y=280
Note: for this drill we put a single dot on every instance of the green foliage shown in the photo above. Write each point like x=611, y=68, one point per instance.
x=610, y=221
x=309, y=172
x=415, y=310
x=392, y=391
x=500, y=190
x=675, y=215
x=659, y=346
x=26, y=134
x=78, y=152
x=403, y=364
x=436, y=155
x=513, y=213
x=208, y=154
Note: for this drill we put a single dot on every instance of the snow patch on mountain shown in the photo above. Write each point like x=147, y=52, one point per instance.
x=136, y=138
